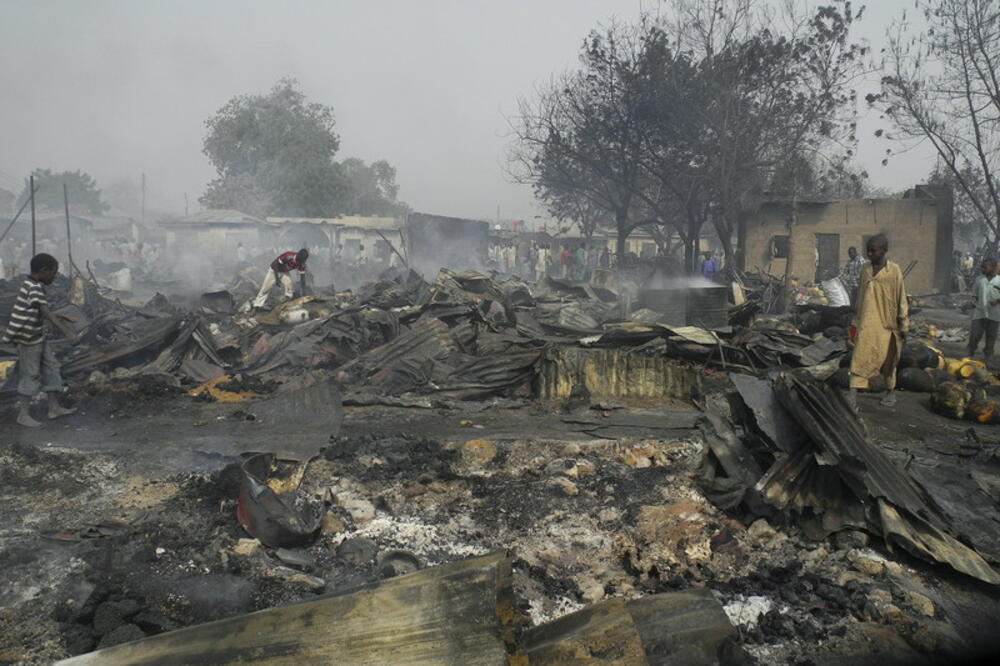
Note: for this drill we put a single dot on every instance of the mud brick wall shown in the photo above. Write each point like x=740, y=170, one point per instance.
x=917, y=228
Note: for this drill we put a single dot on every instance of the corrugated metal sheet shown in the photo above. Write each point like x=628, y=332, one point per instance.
x=840, y=439
x=839, y=478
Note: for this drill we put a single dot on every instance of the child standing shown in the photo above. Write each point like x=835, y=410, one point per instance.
x=37, y=368
x=882, y=320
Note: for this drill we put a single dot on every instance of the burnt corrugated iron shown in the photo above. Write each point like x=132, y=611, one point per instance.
x=615, y=373
x=685, y=305
x=840, y=440
x=427, y=338
x=837, y=478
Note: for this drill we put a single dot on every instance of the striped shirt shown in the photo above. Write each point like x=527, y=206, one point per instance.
x=25, y=325
x=851, y=275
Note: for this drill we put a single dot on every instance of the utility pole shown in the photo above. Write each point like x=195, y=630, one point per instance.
x=69, y=242
x=32, y=186
x=142, y=217
x=185, y=204
x=14, y=221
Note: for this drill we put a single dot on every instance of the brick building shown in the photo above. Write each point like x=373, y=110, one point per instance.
x=918, y=226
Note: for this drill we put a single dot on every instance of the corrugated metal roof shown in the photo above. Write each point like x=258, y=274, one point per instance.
x=218, y=216
x=355, y=221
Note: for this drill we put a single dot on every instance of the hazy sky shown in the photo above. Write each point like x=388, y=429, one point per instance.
x=122, y=88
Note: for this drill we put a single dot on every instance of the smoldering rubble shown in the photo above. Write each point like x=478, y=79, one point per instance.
x=468, y=469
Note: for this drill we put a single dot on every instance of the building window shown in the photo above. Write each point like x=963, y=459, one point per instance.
x=779, y=247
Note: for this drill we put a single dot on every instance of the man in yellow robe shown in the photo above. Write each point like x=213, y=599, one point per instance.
x=882, y=320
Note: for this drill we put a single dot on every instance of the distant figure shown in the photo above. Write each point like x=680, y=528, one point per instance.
x=241, y=253
x=882, y=319
x=708, y=266
x=851, y=274
x=564, y=262
x=604, y=261
x=278, y=272
x=542, y=262
x=37, y=367
x=956, y=272
x=986, y=315
x=580, y=263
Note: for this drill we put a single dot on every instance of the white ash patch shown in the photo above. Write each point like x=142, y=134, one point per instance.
x=421, y=538
x=560, y=606
x=746, y=611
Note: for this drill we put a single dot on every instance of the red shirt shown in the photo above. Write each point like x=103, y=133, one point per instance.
x=288, y=262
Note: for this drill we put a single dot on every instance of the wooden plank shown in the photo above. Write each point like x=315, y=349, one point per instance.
x=459, y=613
x=688, y=627
x=600, y=634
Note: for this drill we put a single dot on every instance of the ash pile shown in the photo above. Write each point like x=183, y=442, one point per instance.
x=470, y=470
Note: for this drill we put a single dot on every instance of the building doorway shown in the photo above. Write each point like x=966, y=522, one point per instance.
x=827, y=256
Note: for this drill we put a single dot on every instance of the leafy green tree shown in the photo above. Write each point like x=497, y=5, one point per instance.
x=274, y=154
x=371, y=189
x=83, y=193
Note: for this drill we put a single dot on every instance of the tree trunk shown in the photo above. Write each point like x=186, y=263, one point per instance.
x=621, y=224
x=694, y=224
x=725, y=231
x=690, y=255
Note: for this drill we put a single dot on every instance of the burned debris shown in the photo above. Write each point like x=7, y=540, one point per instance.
x=552, y=420
x=690, y=410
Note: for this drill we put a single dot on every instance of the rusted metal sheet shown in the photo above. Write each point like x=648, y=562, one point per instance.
x=262, y=508
x=772, y=419
x=835, y=477
x=615, y=374
x=925, y=540
x=839, y=439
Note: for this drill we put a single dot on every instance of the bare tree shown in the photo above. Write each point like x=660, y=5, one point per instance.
x=940, y=85
x=777, y=84
x=576, y=207
x=677, y=122
x=579, y=136
x=971, y=227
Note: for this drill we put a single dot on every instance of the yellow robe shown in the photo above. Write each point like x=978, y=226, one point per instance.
x=882, y=317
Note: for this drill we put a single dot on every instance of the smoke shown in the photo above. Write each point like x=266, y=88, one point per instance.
x=662, y=282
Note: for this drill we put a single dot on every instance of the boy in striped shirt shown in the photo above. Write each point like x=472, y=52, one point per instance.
x=37, y=368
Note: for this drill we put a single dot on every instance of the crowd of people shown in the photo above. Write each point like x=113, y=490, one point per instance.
x=533, y=261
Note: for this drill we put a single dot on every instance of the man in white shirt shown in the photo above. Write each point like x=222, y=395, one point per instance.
x=986, y=314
